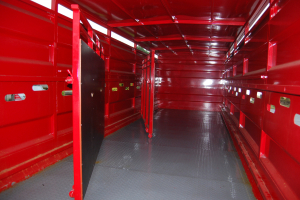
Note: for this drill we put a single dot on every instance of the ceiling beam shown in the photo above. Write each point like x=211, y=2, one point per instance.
x=192, y=47
x=179, y=20
x=133, y=18
x=174, y=19
x=196, y=38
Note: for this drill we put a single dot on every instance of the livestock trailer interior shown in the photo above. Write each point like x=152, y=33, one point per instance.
x=149, y=99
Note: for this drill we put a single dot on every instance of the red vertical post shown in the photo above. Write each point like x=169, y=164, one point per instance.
x=145, y=88
x=90, y=32
x=147, y=93
x=53, y=57
x=142, y=91
x=107, y=109
x=107, y=58
x=245, y=66
x=264, y=145
x=231, y=109
x=98, y=50
x=152, y=81
x=134, y=71
x=234, y=70
x=107, y=70
x=272, y=55
x=242, y=120
x=76, y=103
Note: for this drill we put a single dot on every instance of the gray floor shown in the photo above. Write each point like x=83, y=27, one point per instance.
x=191, y=156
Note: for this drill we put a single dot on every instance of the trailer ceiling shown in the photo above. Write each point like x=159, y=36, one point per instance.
x=180, y=26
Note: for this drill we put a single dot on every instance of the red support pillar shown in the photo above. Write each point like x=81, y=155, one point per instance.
x=76, y=103
x=272, y=55
x=147, y=93
x=142, y=91
x=53, y=58
x=231, y=109
x=234, y=70
x=134, y=71
x=245, y=66
x=242, y=120
x=228, y=74
x=152, y=81
x=264, y=145
x=107, y=70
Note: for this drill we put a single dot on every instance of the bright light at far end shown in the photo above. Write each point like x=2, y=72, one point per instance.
x=45, y=3
x=222, y=82
x=208, y=82
x=65, y=11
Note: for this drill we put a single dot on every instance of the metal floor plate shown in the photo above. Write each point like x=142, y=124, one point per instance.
x=191, y=156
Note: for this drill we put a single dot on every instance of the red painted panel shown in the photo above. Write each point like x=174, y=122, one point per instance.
x=269, y=121
x=45, y=117
x=286, y=171
x=192, y=67
x=189, y=74
x=281, y=126
x=191, y=87
x=12, y=111
x=182, y=105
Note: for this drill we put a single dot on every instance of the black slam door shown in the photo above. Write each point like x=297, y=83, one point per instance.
x=92, y=110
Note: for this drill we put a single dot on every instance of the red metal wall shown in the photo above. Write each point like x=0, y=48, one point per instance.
x=36, y=48
x=188, y=81
x=269, y=126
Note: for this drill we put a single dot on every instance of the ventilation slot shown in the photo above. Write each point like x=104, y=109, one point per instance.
x=142, y=49
x=67, y=92
x=97, y=27
x=272, y=109
x=122, y=39
x=15, y=97
x=259, y=95
x=40, y=87
x=297, y=119
x=285, y=102
x=65, y=11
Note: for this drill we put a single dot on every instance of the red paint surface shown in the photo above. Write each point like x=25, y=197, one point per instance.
x=148, y=92
x=43, y=121
x=192, y=43
x=272, y=69
x=186, y=82
x=40, y=126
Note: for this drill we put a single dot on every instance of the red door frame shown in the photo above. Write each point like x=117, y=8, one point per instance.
x=93, y=41
x=148, y=80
